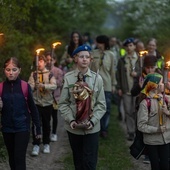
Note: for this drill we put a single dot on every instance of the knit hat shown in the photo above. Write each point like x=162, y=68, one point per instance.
x=81, y=48
x=149, y=60
x=151, y=82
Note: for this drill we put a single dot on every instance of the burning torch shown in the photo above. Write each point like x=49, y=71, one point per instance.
x=141, y=54
x=53, y=47
x=165, y=77
x=36, y=61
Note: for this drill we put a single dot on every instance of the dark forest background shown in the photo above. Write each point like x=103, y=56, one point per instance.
x=29, y=24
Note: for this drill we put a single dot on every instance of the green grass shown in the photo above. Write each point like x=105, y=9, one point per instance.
x=3, y=152
x=113, y=151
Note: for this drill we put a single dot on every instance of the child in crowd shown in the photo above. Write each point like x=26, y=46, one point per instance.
x=17, y=110
x=83, y=140
x=43, y=83
x=154, y=121
x=58, y=74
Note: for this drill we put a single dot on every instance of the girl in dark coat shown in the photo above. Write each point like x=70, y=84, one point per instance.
x=17, y=112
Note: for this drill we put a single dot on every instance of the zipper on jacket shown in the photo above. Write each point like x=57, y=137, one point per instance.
x=12, y=90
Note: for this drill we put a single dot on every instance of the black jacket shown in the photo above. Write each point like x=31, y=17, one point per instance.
x=16, y=116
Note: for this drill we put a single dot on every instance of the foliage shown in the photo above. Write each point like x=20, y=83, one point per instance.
x=28, y=25
x=145, y=19
x=3, y=152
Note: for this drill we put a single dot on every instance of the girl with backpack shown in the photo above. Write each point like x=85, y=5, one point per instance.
x=17, y=111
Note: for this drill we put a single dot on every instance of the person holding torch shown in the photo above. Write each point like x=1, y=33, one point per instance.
x=43, y=83
x=155, y=129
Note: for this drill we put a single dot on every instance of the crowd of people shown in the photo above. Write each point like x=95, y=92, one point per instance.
x=90, y=77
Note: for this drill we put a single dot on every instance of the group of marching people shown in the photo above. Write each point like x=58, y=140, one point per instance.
x=84, y=97
x=146, y=102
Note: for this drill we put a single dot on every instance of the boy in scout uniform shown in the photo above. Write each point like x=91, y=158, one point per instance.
x=43, y=84
x=83, y=137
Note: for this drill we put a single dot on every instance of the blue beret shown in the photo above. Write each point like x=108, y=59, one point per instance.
x=81, y=48
x=127, y=41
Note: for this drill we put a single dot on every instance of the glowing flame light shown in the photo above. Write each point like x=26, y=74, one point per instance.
x=168, y=63
x=1, y=33
x=39, y=50
x=56, y=43
x=141, y=53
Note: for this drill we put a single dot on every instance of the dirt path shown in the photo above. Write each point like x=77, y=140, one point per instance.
x=53, y=161
x=138, y=164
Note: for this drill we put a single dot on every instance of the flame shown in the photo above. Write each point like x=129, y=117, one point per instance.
x=141, y=53
x=56, y=43
x=168, y=63
x=39, y=50
x=1, y=33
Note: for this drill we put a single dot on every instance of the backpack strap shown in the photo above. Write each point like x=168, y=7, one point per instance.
x=35, y=76
x=1, y=88
x=148, y=101
x=24, y=86
x=50, y=76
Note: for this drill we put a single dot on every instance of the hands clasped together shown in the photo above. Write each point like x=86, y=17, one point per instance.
x=86, y=126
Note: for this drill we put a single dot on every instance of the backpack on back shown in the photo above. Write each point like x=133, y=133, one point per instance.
x=138, y=147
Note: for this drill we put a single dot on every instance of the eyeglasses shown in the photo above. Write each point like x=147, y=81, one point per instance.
x=84, y=56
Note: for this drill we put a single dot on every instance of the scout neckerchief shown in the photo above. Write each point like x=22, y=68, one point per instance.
x=151, y=82
x=160, y=103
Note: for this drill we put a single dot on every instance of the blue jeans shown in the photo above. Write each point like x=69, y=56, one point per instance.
x=106, y=117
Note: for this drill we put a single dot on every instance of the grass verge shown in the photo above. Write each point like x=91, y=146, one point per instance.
x=113, y=151
x=3, y=152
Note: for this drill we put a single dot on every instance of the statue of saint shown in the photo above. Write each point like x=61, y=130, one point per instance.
x=82, y=94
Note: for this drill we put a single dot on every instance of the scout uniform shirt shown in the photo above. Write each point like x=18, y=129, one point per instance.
x=43, y=97
x=106, y=64
x=67, y=103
